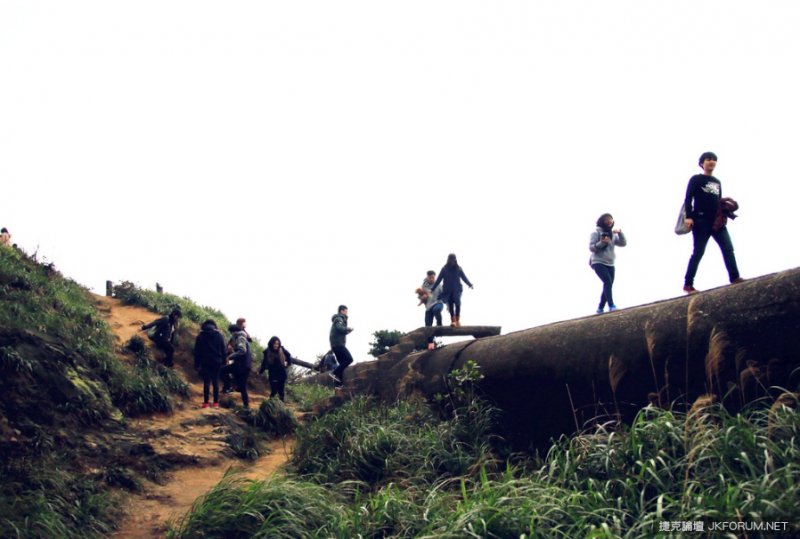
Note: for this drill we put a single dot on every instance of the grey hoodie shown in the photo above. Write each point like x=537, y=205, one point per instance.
x=603, y=253
x=433, y=295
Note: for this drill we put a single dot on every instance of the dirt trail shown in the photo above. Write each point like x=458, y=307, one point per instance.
x=190, y=435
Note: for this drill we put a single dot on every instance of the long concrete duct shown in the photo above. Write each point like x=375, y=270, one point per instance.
x=737, y=340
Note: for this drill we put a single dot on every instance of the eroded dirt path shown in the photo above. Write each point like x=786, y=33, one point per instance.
x=191, y=438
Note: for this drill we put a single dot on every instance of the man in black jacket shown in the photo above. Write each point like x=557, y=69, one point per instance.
x=701, y=204
x=209, y=356
x=338, y=340
x=164, y=334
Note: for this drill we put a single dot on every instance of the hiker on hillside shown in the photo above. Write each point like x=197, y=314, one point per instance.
x=707, y=214
x=5, y=238
x=242, y=323
x=601, y=243
x=276, y=359
x=452, y=274
x=162, y=333
x=338, y=339
x=433, y=305
x=227, y=378
x=209, y=357
x=240, y=361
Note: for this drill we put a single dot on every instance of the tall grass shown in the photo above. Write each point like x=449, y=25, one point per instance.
x=306, y=396
x=402, y=471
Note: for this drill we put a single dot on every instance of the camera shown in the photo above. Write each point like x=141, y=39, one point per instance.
x=605, y=235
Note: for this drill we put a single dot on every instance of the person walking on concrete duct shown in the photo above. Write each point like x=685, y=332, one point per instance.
x=601, y=243
x=210, y=352
x=452, y=275
x=240, y=362
x=706, y=217
x=338, y=339
x=276, y=359
x=162, y=333
x=433, y=305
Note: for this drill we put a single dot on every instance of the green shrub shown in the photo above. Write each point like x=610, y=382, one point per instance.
x=274, y=418
x=306, y=396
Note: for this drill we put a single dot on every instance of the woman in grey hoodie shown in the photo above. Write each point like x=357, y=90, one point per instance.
x=601, y=244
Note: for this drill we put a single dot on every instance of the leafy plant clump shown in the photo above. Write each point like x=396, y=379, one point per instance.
x=274, y=418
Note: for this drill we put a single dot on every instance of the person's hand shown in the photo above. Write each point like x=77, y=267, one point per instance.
x=606, y=240
x=617, y=231
x=141, y=329
x=472, y=288
x=689, y=223
x=349, y=330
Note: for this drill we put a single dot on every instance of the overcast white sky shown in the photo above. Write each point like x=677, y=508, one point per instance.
x=276, y=159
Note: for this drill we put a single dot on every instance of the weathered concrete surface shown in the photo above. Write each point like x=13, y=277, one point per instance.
x=550, y=380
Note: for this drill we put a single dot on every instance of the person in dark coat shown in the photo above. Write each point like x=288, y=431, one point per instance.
x=702, y=205
x=164, y=336
x=276, y=359
x=240, y=362
x=209, y=356
x=452, y=275
x=338, y=339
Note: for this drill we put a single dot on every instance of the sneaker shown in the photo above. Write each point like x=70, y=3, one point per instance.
x=689, y=289
x=228, y=391
x=431, y=346
x=599, y=311
x=216, y=405
x=612, y=308
x=205, y=405
x=335, y=379
x=737, y=280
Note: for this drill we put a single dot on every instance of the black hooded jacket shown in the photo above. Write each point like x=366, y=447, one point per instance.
x=209, y=347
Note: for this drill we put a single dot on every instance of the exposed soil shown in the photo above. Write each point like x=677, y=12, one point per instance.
x=192, y=437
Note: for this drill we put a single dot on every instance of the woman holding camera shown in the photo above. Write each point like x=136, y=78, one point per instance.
x=601, y=244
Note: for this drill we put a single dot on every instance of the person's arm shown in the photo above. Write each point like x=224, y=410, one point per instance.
x=263, y=364
x=464, y=277
x=620, y=240
x=595, y=244
x=287, y=355
x=152, y=324
x=688, y=202
x=196, y=353
x=340, y=326
x=438, y=279
x=239, y=349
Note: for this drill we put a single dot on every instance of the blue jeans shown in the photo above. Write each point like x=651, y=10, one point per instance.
x=701, y=233
x=606, y=274
x=435, y=311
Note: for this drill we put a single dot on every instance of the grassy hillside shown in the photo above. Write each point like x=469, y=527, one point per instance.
x=66, y=450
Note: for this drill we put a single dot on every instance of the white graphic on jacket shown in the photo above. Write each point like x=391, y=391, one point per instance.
x=712, y=188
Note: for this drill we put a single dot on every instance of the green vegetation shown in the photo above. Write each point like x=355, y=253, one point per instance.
x=384, y=339
x=274, y=418
x=369, y=470
x=305, y=396
x=63, y=393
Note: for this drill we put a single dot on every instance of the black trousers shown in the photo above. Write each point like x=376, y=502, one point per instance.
x=165, y=346
x=210, y=379
x=344, y=358
x=240, y=375
x=701, y=233
x=276, y=388
x=606, y=274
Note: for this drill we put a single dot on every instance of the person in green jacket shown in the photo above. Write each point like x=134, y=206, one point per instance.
x=338, y=339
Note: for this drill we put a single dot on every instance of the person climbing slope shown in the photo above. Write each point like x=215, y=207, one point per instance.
x=163, y=332
x=276, y=359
